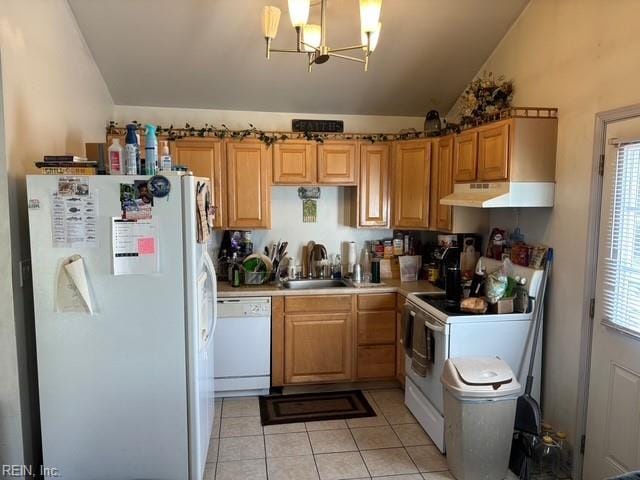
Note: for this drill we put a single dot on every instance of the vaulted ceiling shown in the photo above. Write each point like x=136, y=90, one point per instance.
x=210, y=54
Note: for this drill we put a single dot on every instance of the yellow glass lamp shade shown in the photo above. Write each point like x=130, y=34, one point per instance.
x=375, y=36
x=299, y=12
x=311, y=36
x=270, y=21
x=369, y=14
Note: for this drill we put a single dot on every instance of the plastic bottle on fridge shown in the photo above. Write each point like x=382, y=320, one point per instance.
x=131, y=151
x=151, y=151
x=115, y=157
x=165, y=159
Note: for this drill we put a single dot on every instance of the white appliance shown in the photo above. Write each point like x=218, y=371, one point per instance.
x=456, y=334
x=501, y=194
x=243, y=347
x=126, y=393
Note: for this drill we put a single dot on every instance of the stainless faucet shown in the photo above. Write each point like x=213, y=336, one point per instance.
x=317, y=253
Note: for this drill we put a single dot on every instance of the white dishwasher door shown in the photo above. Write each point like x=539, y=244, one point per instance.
x=242, y=347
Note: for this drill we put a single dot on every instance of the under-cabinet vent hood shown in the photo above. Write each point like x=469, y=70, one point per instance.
x=501, y=195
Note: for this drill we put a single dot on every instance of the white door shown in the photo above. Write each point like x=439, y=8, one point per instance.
x=613, y=418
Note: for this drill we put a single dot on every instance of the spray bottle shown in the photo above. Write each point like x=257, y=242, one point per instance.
x=151, y=149
x=131, y=150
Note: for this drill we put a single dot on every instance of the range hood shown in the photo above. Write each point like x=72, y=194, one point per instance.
x=501, y=195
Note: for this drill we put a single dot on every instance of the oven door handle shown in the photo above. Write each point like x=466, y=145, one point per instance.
x=429, y=325
x=432, y=327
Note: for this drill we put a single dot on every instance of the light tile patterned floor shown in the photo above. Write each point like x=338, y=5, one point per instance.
x=391, y=446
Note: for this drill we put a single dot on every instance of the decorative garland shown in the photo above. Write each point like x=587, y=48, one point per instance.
x=271, y=137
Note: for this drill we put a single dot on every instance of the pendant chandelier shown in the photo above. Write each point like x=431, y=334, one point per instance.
x=311, y=38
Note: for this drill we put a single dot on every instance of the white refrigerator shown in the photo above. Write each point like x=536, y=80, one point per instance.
x=127, y=391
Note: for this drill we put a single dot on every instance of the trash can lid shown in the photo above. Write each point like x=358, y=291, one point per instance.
x=479, y=377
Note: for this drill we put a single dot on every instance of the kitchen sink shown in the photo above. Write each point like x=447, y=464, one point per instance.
x=308, y=284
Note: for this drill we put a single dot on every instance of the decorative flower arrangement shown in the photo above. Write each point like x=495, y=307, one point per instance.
x=484, y=97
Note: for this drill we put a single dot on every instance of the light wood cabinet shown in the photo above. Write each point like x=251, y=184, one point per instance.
x=376, y=336
x=294, y=163
x=373, y=186
x=493, y=152
x=376, y=362
x=400, y=356
x=442, y=184
x=318, y=348
x=248, y=185
x=337, y=163
x=465, y=157
x=411, y=173
x=204, y=157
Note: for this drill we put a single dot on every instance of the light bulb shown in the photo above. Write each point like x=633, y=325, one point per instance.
x=299, y=12
x=369, y=14
x=375, y=36
x=311, y=36
x=270, y=21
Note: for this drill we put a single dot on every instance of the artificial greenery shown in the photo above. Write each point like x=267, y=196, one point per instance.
x=268, y=138
x=484, y=98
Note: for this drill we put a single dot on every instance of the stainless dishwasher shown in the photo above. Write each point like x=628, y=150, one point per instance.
x=242, y=347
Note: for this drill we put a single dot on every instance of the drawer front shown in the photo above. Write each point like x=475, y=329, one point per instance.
x=376, y=328
x=377, y=301
x=377, y=362
x=318, y=303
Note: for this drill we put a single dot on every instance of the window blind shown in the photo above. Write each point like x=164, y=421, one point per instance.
x=621, y=295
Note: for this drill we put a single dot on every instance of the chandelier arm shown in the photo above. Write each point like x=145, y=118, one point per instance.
x=345, y=49
x=347, y=57
x=285, y=51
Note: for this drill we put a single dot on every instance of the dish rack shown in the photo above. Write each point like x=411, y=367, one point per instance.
x=254, y=278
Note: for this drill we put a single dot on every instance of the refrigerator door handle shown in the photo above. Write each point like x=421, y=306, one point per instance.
x=212, y=272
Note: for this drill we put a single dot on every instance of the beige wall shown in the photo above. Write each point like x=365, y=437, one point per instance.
x=582, y=57
x=55, y=100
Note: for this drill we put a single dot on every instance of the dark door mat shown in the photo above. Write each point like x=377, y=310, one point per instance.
x=314, y=407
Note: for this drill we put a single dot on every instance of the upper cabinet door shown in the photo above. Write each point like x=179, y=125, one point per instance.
x=443, y=182
x=294, y=163
x=411, y=168
x=337, y=163
x=248, y=185
x=203, y=156
x=373, y=186
x=493, y=152
x=465, y=157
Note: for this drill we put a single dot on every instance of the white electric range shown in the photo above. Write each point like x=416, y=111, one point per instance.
x=456, y=334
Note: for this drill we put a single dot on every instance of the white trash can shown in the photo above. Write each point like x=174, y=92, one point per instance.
x=480, y=396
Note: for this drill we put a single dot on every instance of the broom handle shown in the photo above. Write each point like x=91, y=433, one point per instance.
x=537, y=317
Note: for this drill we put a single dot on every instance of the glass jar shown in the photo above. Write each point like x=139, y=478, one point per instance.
x=566, y=453
x=548, y=457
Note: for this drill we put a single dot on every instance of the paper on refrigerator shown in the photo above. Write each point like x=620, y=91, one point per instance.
x=73, y=293
x=135, y=246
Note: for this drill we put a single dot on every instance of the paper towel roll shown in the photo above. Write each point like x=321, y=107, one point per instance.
x=350, y=257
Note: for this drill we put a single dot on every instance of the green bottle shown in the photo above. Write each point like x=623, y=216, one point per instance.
x=235, y=271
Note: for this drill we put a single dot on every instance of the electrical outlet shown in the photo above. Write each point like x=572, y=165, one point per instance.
x=25, y=272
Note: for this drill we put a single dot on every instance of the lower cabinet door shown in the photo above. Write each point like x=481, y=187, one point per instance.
x=377, y=361
x=318, y=348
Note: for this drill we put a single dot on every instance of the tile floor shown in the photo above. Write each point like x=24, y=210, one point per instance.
x=390, y=446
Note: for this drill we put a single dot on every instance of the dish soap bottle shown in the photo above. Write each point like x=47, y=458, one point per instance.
x=151, y=151
x=235, y=271
x=131, y=150
x=165, y=159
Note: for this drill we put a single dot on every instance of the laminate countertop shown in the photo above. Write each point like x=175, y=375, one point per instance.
x=225, y=290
